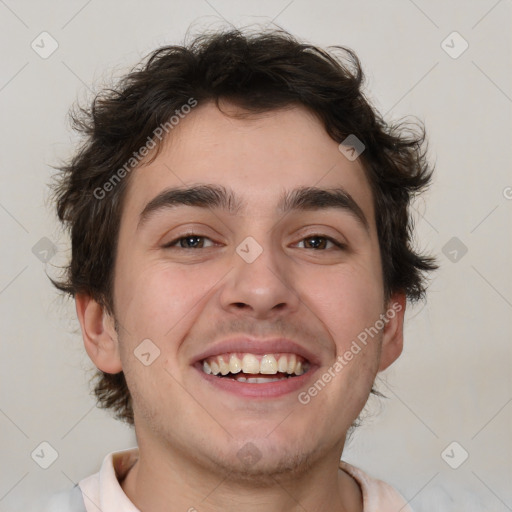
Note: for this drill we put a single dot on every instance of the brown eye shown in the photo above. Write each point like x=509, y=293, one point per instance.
x=190, y=241
x=319, y=242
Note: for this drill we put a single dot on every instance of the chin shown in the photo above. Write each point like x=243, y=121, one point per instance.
x=262, y=461
x=266, y=470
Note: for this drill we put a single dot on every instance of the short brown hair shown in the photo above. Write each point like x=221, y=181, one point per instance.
x=258, y=72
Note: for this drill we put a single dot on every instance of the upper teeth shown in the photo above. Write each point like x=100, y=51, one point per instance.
x=268, y=364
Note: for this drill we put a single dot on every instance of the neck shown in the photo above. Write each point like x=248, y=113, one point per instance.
x=153, y=483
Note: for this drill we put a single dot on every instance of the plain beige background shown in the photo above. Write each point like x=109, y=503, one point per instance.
x=453, y=381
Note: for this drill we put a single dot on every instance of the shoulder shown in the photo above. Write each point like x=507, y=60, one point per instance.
x=70, y=500
x=378, y=496
x=101, y=488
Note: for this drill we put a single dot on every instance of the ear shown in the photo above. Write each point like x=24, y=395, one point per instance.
x=99, y=334
x=393, y=334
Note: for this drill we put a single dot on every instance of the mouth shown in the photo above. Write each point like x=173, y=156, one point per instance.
x=256, y=375
x=244, y=367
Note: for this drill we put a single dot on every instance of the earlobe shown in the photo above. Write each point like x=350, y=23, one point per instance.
x=99, y=334
x=393, y=336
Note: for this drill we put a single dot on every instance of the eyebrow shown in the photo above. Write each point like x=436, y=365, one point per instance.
x=217, y=196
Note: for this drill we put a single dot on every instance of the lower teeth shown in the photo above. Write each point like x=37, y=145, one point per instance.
x=255, y=380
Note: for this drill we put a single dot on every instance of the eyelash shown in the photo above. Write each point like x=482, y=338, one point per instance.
x=170, y=245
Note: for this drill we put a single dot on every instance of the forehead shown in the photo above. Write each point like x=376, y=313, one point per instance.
x=258, y=156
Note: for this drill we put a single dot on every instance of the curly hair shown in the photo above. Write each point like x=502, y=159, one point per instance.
x=259, y=72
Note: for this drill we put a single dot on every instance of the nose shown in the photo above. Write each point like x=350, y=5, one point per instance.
x=262, y=289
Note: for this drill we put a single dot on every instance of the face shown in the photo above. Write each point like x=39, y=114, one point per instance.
x=282, y=275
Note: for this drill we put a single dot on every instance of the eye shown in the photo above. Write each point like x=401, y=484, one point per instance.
x=194, y=241
x=189, y=241
x=320, y=242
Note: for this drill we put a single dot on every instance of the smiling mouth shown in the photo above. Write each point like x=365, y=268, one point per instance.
x=254, y=368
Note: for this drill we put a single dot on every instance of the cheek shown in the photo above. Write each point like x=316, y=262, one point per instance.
x=348, y=304
x=155, y=299
x=346, y=300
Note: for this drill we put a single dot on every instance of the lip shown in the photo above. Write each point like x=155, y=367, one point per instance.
x=253, y=390
x=258, y=347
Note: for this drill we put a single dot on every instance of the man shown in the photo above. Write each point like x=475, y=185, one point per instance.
x=241, y=262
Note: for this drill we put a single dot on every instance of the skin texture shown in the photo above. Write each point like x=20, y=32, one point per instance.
x=188, y=432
